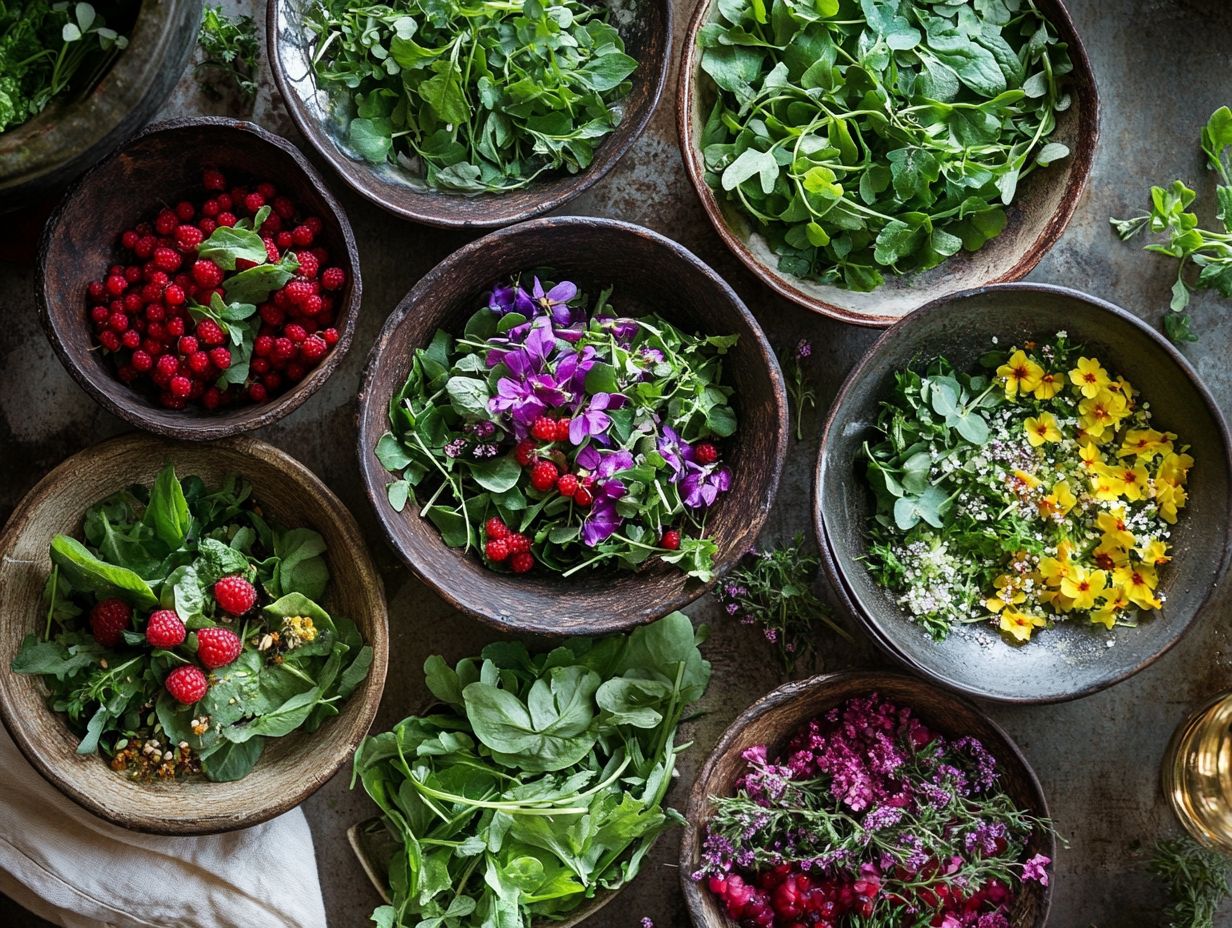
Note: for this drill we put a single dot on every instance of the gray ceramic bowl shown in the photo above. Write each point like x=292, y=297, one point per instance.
x=1070, y=660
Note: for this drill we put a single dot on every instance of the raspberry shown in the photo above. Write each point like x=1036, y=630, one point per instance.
x=284, y=350
x=174, y=295
x=272, y=314
x=210, y=209
x=295, y=332
x=518, y=543
x=163, y=629
x=257, y=393
x=670, y=540
x=175, y=327
x=543, y=429
x=108, y=619
x=583, y=497
x=314, y=224
x=211, y=398
x=167, y=365
x=302, y=235
x=166, y=222
x=567, y=484
x=185, y=210
x=497, y=550
x=213, y=179
x=207, y=226
x=116, y=284
x=217, y=647
x=206, y=273
x=172, y=402
x=495, y=528
x=267, y=190
x=109, y=340
x=131, y=339
x=313, y=349
x=180, y=386
x=253, y=202
x=298, y=291
x=118, y=323
x=295, y=372
x=187, y=684
x=199, y=362
x=284, y=240
x=235, y=594
x=227, y=219
x=141, y=361
x=187, y=345
x=562, y=430
x=284, y=207
x=129, y=239
x=525, y=452
x=188, y=238
x=521, y=562
x=543, y=476
x=309, y=266
x=313, y=305
x=333, y=278
x=706, y=453
x=220, y=357
x=209, y=332
x=272, y=382
x=331, y=336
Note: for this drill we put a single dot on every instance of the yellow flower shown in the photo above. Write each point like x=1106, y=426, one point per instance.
x=1154, y=552
x=1170, y=498
x=1097, y=413
x=1049, y=386
x=1020, y=374
x=1091, y=458
x=1112, y=524
x=1144, y=443
x=1083, y=586
x=1042, y=428
x=1020, y=625
x=1114, y=603
x=1135, y=481
x=1008, y=594
x=1059, y=502
x=1024, y=480
x=1108, y=556
x=1138, y=584
x=1105, y=484
x=1089, y=377
x=1174, y=468
x=1054, y=569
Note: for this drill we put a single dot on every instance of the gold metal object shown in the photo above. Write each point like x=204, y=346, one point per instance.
x=1197, y=773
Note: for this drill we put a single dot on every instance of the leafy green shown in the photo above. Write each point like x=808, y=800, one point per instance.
x=230, y=54
x=1198, y=880
x=878, y=137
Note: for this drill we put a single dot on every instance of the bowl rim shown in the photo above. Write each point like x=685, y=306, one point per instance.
x=372, y=474
x=836, y=576
x=698, y=801
x=367, y=696
x=255, y=416
x=439, y=215
x=783, y=285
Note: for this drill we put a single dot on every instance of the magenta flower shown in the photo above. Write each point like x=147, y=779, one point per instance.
x=593, y=420
x=601, y=522
x=526, y=400
x=702, y=485
x=675, y=451
x=502, y=300
x=1037, y=869
x=553, y=303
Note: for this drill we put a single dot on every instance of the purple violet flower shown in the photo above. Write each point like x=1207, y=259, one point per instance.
x=702, y=485
x=675, y=451
x=592, y=421
x=502, y=300
x=601, y=522
x=1037, y=869
x=553, y=303
x=526, y=400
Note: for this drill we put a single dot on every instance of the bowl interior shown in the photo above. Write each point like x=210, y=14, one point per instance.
x=645, y=27
x=647, y=272
x=774, y=718
x=1045, y=201
x=81, y=241
x=290, y=768
x=1072, y=659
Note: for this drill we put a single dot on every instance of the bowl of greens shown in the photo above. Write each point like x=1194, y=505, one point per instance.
x=862, y=158
x=194, y=638
x=474, y=115
x=76, y=79
x=1022, y=491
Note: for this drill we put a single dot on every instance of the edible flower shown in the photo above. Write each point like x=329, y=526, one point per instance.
x=1082, y=586
x=1138, y=584
x=1089, y=377
x=1020, y=374
x=1041, y=429
x=1020, y=625
x=1050, y=385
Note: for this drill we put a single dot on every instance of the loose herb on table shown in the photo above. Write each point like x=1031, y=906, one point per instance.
x=231, y=53
x=799, y=388
x=1197, y=879
x=879, y=137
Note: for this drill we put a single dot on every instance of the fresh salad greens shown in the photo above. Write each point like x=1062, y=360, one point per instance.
x=475, y=96
x=230, y=52
x=160, y=556
x=1184, y=239
x=881, y=136
x=537, y=782
x=46, y=48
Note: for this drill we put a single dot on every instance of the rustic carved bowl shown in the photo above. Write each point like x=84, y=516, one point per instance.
x=81, y=126
x=291, y=768
x=161, y=164
x=646, y=28
x=1044, y=205
x=648, y=272
x=774, y=718
x=1069, y=660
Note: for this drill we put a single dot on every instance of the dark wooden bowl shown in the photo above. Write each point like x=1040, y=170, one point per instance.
x=775, y=717
x=291, y=768
x=1070, y=660
x=1045, y=203
x=648, y=272
x=646, y=28
x=165, y=161
x=76, y=130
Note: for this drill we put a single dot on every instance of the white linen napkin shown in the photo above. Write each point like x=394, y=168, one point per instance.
x=78, y=871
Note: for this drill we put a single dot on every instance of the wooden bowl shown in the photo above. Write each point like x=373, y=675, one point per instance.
x=291, y=768
x=1046, y=199
x=160, y=165
x=76, y=129
x=648, y=272
x=1070, y=660
x=775, y=717
x=646, y=28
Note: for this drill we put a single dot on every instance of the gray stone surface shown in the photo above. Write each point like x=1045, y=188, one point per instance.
x=1162, y=66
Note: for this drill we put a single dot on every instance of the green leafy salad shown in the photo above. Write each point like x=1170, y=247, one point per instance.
x=538, y=780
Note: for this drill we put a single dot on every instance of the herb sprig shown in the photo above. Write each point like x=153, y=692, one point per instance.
x=231, y=53
x=1197, y=879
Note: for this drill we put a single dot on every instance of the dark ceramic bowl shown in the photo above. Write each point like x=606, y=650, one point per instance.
x=159, y=166
x=1043, y=207
x=646, y=28
x=82, y=126
x=1070, y=660
x=774, y=718
x=648, y=272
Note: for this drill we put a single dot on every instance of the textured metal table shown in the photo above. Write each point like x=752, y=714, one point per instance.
x=1163, y=66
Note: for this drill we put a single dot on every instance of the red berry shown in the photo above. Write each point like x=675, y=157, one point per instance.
x=495, y=528
x=213, y=179
x=521, y=562
x=163, y=629
x=187, y=684
x=583, y=497
x=313, y=305
x=141, y=361
x=185, y=210
x=187, y=345
x=227, y=219
x=174, y=327
x=180, y=386
x=257, y=393
x=109, y=340
x=220, y=357
x=525, y=452
x=235, y=594
x=497, y=550
x=670, y=540
x=272, y=314
x=284, y=207
x=118, y=323
x=174, y=295
x=108, y=619
x=116, y=284
x=543, y=429
x=129, y=239
x=167, y=365
x=253, y=202
x=262, y=346
x=543, y=476
x=333, y=278
x=207, y=226
x=298, y=291
x=302, y=235
x=211, y=398
x=518, y=543
x=295, y=332
x=562, y=430
x=206, y=273
x=272, y=382
x=166, y=222
x=309, y=266
x=188, y=238
x=284, y=240
x=209, y=332
x=210, y=209
x=313, y=349
x=706, y=453
x=267, y=190
x=295, y=372
x=331, y=336
x=217, y=646
x=284, y=350
x=131, y=339
x=567, y=484
x=199, y=362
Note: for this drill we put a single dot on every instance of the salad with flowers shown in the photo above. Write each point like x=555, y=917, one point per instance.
x=558, y=433
x=1035, y=492
x=870, y=818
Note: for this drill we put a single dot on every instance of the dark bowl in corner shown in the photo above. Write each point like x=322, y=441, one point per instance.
x=648, y=272
x=160, y=165
x=776, y=716
x=1070, y=660
x=1042, y=209
x=644, y=25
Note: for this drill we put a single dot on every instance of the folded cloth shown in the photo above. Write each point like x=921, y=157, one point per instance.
x=78, y=871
